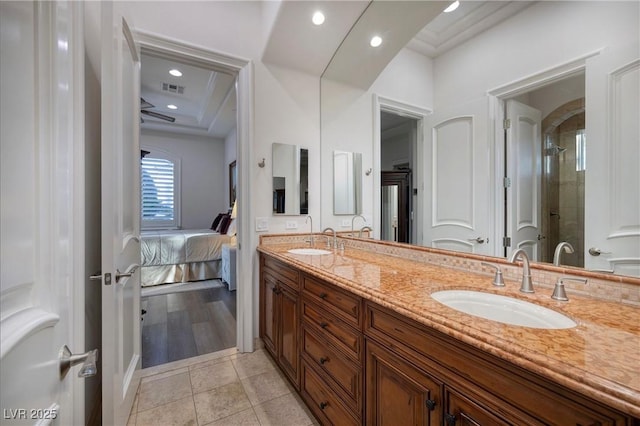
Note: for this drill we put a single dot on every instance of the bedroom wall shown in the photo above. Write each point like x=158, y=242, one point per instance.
x=203, y=173
x=230, y=154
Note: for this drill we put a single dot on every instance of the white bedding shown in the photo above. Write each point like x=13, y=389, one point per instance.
x=169, y=256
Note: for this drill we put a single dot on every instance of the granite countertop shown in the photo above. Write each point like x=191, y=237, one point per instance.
x=599, y=358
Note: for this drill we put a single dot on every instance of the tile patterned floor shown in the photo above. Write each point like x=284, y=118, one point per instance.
x=224, y=388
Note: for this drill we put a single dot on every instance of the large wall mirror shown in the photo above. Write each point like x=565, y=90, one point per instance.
x=290, y=177
x=570, y=93
x=347, y=183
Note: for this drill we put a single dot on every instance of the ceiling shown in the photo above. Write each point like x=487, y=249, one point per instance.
x=205, y=99
x=207, y=102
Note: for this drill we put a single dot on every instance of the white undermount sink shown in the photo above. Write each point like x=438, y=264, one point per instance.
x=309, y=251
x=504, y=309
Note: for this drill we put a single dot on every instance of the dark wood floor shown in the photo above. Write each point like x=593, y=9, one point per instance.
x=186, y=324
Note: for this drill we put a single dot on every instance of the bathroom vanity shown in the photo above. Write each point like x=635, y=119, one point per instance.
x=360, y=338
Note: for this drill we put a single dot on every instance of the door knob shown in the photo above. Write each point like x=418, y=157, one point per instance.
x=68, y=360
x=478, y=240
x=593, y=251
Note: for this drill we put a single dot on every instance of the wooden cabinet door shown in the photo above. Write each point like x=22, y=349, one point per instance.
x=399, y=393
x=268, y=318
x=289, y=353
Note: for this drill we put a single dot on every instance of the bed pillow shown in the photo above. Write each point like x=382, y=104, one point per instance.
x=224, y=224
x=216, y=221
x=231, y=230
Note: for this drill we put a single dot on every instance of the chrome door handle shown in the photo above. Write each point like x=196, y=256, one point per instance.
x=128, y=273
x=593, y=251
x=478, y=240
x=68, y=360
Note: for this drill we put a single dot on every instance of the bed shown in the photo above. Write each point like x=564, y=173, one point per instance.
x=175, y=256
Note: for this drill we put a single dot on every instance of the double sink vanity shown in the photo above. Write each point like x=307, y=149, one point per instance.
x=383, y=333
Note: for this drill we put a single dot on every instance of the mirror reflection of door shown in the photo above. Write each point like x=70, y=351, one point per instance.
x=395, y=214
x=545, y=170
x=398, y=147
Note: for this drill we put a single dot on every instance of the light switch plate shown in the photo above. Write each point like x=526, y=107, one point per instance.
x=262, y=224
x=291, y=224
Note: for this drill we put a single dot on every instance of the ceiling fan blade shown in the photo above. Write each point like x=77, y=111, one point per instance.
x=158, y=115
x=145, y=105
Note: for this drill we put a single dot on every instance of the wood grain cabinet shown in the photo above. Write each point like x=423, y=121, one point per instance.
x=279, y=316
x=356, y=362
x=331, y=352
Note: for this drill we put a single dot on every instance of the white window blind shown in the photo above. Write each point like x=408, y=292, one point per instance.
x=159, y=201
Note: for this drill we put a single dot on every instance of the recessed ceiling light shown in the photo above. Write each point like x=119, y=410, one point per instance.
x=375, y=41
x=176, y=73
x=318, y=18
x=453, y=6
x=172, y=106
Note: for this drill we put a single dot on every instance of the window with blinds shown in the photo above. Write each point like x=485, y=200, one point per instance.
x=159, y=200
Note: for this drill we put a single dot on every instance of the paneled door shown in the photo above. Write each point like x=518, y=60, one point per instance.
x=42, y=276
x=524, y=171
x=458, y=180
x=120, y=156
x=612, y=166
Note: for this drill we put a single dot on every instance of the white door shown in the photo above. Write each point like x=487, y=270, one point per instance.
x=41, y=221
x=612, y=166
x=524, y=173
x=458, y=180
x=120, y=217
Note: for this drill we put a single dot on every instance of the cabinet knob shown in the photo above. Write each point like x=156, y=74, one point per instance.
x=323, y=360
x=323, y=405
x=324, y=324
x=431, y=404
x=323, y=296
x=450, y=419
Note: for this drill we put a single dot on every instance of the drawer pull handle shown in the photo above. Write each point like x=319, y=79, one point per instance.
x=323, y=360
x=431, y=404
x=323, y=296
x=323, y=405
x=324, y=324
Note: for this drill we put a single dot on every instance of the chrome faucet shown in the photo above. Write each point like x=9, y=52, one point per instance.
x=335, y=240
x=568, y=248
x=364, y=228
x=527, y=285
x=354, y=219
x=559, y=293
x=310, y=219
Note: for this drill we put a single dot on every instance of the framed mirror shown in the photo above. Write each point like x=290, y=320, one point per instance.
x=347, y=183
x=290, y=179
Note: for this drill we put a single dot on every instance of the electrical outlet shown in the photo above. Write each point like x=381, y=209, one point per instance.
x=346, y=223
x=291, y=224
x=262, y=224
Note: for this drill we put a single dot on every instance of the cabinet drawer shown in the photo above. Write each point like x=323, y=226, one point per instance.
x=344, y=372
x=389, y=327
x=283, y=273
x=333, y=329
x=343, y=304
x=322, y=401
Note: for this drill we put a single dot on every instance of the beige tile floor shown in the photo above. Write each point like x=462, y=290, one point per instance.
x=224, y=388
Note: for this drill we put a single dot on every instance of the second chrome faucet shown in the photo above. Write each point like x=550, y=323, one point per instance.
x=527, y=284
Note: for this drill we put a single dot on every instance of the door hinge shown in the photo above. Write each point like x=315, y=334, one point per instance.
x=506, y=124
x=506, y=241
x=506, y=182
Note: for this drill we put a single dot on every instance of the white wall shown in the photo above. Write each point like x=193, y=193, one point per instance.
x=540, y=37
x=203, y=193
x=347, y=122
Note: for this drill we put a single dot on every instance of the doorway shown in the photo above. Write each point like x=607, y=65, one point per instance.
x=398, y=199
x=193, y=312
x=545, y=176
